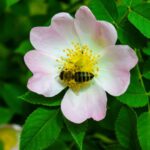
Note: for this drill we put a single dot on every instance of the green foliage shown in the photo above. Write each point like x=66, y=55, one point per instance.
x=39, y=99
x=136, y=95
x=104, y=10
x=130, y=3
x=41, y=129
x=146, y=50
x=140, y=19
x=24, y=47
x=112, y=113
x=10, y=94
x=127, y=119
x=143, y=125
x=57, y=145
x=125, y=128
x=146, y=69
x=5, y=115
x=127, y=34
x=1, y=145
x=77, y=132
x=115, y=147
x=11, y=2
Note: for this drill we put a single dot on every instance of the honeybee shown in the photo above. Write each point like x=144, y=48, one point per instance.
x=79, y=77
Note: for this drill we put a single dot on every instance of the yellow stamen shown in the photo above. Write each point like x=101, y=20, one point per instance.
x=79, y=59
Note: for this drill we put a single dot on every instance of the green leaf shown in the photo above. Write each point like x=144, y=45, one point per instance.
x=125, y=128
x=77, y=132
x=41, y=129
x=57, y=145
x=38, y=7
x=34, y=98
x=140, y=18
x=10, y=94
x=92, y=145
x=5, y=115
x=115, y=147
x=112, y=113
x=143, y=128
x=146, y=50
x=11, y=2
x=135, y=96
x=104, y=10
x=146, y=69
x=128, y=34
x=129, y=3
x=103, y=138
x=1, y=145
x=24, y=47
x=2, y=6
x=142, y=8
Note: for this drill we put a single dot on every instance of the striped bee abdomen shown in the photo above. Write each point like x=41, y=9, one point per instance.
x=83, y=76
x=66, y=75
x=61, y=76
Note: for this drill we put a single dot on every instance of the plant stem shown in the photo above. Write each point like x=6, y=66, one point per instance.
x=141, y=78
x=104, y=138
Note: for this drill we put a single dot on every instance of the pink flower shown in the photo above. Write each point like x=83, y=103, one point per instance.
x=79, y=53
x=10, y=136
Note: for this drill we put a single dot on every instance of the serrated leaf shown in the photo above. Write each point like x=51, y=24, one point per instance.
x=139, y=18
x=135, y=96
x=41, y=129
x=34, y=98
x=125, y=128
x=77, y=132
x=5, y=115
x=143, y=129
x=104, y=10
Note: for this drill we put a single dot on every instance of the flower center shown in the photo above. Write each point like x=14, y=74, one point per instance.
x=79, y=66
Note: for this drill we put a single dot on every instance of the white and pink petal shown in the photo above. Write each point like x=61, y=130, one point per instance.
x=105, y=34
x=114, y=66
x=63, y=23
x=49, y=40
x=38, y=61
x=89, y=103
x=118, y=56
x=45, y=84
x=97, y=34
x=114, y=81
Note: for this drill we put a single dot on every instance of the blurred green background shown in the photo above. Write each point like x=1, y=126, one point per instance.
x=115, y=132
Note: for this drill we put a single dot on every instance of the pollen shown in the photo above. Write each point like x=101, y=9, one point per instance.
x=79, y=59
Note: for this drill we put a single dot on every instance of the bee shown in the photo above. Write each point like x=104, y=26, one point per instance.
x=78, y=77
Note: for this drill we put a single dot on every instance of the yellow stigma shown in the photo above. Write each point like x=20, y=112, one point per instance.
x=79, y=59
